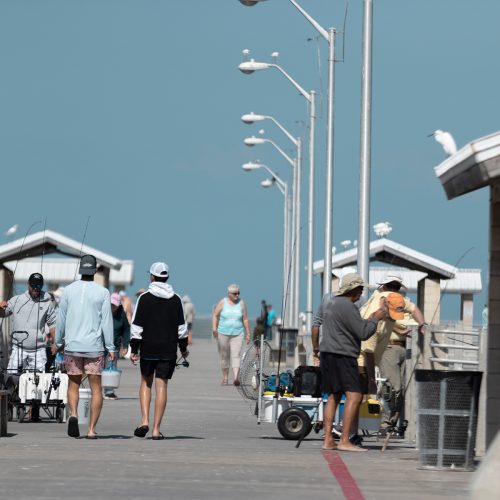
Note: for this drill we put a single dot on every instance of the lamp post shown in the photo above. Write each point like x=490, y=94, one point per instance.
x=295, y=227
x=283, y=187
x=296, y=246
x=329, y=35
x=249, y=67
x=365, y=149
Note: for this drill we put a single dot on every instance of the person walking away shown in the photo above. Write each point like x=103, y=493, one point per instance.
x=190, y=314
x=121, y=337
x=34, y=318
x=85, y=330
x=343, y=330
x=229, y=322
x=158, y=329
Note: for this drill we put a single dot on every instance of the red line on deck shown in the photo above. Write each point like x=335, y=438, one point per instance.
x=343, y=476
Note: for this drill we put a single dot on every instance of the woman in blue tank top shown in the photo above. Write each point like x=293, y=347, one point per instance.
x=229, y=322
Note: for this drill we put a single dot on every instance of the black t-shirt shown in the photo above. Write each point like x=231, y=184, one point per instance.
x=160, y=319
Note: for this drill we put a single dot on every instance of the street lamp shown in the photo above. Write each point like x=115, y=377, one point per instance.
x=295, y=226
x=329, y=36
x=297, y=142
x=365, y=146
x=249, y=67
x=283, y=187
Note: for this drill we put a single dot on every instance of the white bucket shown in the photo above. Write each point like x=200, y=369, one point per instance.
x=84, y=406
x=110, y=378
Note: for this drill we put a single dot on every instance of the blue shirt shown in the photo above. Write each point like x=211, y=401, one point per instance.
x=84, y=321
x=231, y=319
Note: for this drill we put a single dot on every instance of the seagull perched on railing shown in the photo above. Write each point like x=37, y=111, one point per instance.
x=446, y=140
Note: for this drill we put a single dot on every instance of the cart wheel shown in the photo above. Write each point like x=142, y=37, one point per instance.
x=59, y=415
x=294, y=424
x=21, y=412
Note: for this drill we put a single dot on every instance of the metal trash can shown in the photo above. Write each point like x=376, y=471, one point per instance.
x=447, y=406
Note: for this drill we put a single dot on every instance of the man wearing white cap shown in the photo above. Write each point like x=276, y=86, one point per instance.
x=386, y=349
x=158, y=328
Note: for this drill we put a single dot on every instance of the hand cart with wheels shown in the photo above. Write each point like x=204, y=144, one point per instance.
x=47, y=392
x=34, y=389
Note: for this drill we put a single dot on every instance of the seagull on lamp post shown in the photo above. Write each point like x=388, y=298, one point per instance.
x=446, y=140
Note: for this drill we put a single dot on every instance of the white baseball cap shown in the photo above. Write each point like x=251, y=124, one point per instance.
x=159, y=269
x=389, y=278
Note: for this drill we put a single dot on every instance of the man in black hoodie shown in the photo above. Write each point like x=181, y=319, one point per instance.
x=158, y=327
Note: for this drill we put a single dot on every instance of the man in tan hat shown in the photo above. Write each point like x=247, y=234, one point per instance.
x=343, y=330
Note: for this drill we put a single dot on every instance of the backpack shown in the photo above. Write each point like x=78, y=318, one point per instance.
x=286, y=381
x=307, y=381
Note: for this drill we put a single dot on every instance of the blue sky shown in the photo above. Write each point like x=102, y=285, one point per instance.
x=129, y=112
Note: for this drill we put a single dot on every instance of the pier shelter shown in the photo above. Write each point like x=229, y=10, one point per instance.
x=426, y=276
x=35, y=253
x=473, y=167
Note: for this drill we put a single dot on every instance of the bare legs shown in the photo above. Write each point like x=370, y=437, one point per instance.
x=160, y=404
x=328, y=416
x=225, y=375
x=74, y=382
x=160, y=401
x=351, y=406
x=96, y=403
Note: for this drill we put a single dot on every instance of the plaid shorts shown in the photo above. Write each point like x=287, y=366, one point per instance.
x=77, y=365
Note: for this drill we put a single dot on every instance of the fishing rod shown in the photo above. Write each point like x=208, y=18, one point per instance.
x=40, y=295
x=81, y=247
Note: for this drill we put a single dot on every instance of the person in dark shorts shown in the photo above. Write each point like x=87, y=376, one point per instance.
x=343, y=330
x=158, y=328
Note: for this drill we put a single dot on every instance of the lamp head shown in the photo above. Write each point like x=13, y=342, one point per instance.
x=266, y=183
x=250, y=166
x=250, y=3
x=252, y=118
x=254, y=141
x=248, y=67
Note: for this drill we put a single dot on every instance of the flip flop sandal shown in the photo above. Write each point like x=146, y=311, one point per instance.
x=91, y=437
x=73, y=429
x=141, y=431
x=158, y=438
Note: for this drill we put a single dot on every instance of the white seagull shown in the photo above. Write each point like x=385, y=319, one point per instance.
x=446, y=140
x=11, y=230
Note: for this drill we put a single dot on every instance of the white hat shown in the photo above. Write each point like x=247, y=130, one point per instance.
x=159, y=269
x=389, y=278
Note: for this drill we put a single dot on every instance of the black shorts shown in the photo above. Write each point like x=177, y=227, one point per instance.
x=161, y=368
x=339, y=374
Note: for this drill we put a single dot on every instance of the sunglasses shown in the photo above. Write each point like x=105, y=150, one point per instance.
x=235, y=293
x=36, y=287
